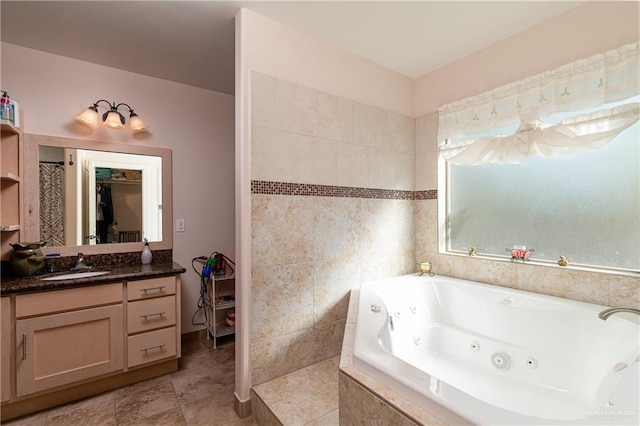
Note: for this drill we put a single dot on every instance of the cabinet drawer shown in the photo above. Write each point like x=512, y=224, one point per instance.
x=146, y=289
x=151, y=346
x=66, y=300
x=149, y=314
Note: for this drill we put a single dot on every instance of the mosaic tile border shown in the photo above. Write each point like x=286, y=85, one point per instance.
x=286, y=188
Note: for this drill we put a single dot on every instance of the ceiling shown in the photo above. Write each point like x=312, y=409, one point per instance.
x=192, y=42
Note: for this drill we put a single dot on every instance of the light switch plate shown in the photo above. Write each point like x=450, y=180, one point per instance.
x=179, y=225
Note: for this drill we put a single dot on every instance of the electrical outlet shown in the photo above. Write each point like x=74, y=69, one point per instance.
x=179, y=225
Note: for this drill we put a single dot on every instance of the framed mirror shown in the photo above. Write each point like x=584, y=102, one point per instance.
x=96, y=197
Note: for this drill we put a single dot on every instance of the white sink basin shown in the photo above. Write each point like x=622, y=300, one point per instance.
x=75, y=275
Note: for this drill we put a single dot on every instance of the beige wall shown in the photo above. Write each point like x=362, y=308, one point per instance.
x=196, y=124
x=595, y=27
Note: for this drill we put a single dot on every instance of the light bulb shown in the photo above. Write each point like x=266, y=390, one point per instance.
x=89, y=116
x=114, y=120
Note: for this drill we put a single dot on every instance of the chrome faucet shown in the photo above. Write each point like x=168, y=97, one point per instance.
x=608, y=312
x=80, y=264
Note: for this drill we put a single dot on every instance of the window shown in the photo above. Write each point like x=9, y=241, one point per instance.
x=563, y=182
x=584, y=206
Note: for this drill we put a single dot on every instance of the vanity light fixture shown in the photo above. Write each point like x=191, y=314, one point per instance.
x=112, y=119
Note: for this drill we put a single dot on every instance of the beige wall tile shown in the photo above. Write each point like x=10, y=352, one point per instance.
x=398, y=133
x=352, y=165
x=624, y=291
x=263, y=100
x=426, y=134
x=426, y=226
x=570, y=284
x=426, y=171
x=274, y=155
x=282, y=299
x=280, y=355
x=337, y=228
x=335, y=118
x=485, y=271
x=367, y=125
x=281, y=230
x=332, y=282
x=317, y=161
x=296, y=108
x=358, y=406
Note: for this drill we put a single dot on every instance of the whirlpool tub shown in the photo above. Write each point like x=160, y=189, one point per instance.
x=481, y=354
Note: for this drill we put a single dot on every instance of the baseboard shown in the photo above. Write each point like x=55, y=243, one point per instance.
x=242, y=408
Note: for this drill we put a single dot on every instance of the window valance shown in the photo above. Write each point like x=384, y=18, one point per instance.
x=609, y=77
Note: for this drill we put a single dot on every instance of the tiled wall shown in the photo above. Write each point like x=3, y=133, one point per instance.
x=332, y=205
x=302, y=135
x=343, y=193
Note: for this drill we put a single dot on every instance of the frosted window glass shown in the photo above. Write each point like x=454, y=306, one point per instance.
x=583, y=206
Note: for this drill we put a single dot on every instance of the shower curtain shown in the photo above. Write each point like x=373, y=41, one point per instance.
x=52, y=204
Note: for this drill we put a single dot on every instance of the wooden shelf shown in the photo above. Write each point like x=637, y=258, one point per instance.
x=11, y=189
x=8, y=127
x=7, y=176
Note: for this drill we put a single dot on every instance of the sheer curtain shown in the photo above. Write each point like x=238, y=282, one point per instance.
x=467, y=129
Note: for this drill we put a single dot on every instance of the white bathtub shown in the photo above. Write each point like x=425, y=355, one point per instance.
x=481, y=354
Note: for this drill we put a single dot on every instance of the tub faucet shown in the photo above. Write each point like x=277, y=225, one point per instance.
x=80, y=264
x=608, y=312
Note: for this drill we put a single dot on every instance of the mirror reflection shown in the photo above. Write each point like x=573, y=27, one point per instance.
x=90, y=197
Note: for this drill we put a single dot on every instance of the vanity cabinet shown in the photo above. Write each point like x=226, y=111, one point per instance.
x=56, y=348
x=11, y=179
x=5, y=355
x=66, y=344
x=151, y=320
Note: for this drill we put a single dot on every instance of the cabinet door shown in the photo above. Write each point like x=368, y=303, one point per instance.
x=5, y=356
x=55, y=350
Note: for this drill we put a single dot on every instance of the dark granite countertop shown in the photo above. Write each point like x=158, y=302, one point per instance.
x=13, y=285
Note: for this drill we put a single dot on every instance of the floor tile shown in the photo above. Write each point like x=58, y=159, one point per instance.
x=199, y=393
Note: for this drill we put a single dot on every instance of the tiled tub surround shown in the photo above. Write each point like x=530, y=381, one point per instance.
x=332, y=204
x=550, y=332
x=325, y=172
x=308, y=252
x=363, y=400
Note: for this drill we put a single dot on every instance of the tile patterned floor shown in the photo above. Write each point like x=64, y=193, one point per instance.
x=199, y=393
x=307, y=397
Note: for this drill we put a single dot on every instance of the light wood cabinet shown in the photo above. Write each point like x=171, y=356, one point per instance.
x=152, y=346
x=62, y=345
x=11, y=180
x=55, y=350
x=153, y=331
x=150, y=288
x=66, y=336
x=5, y=354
